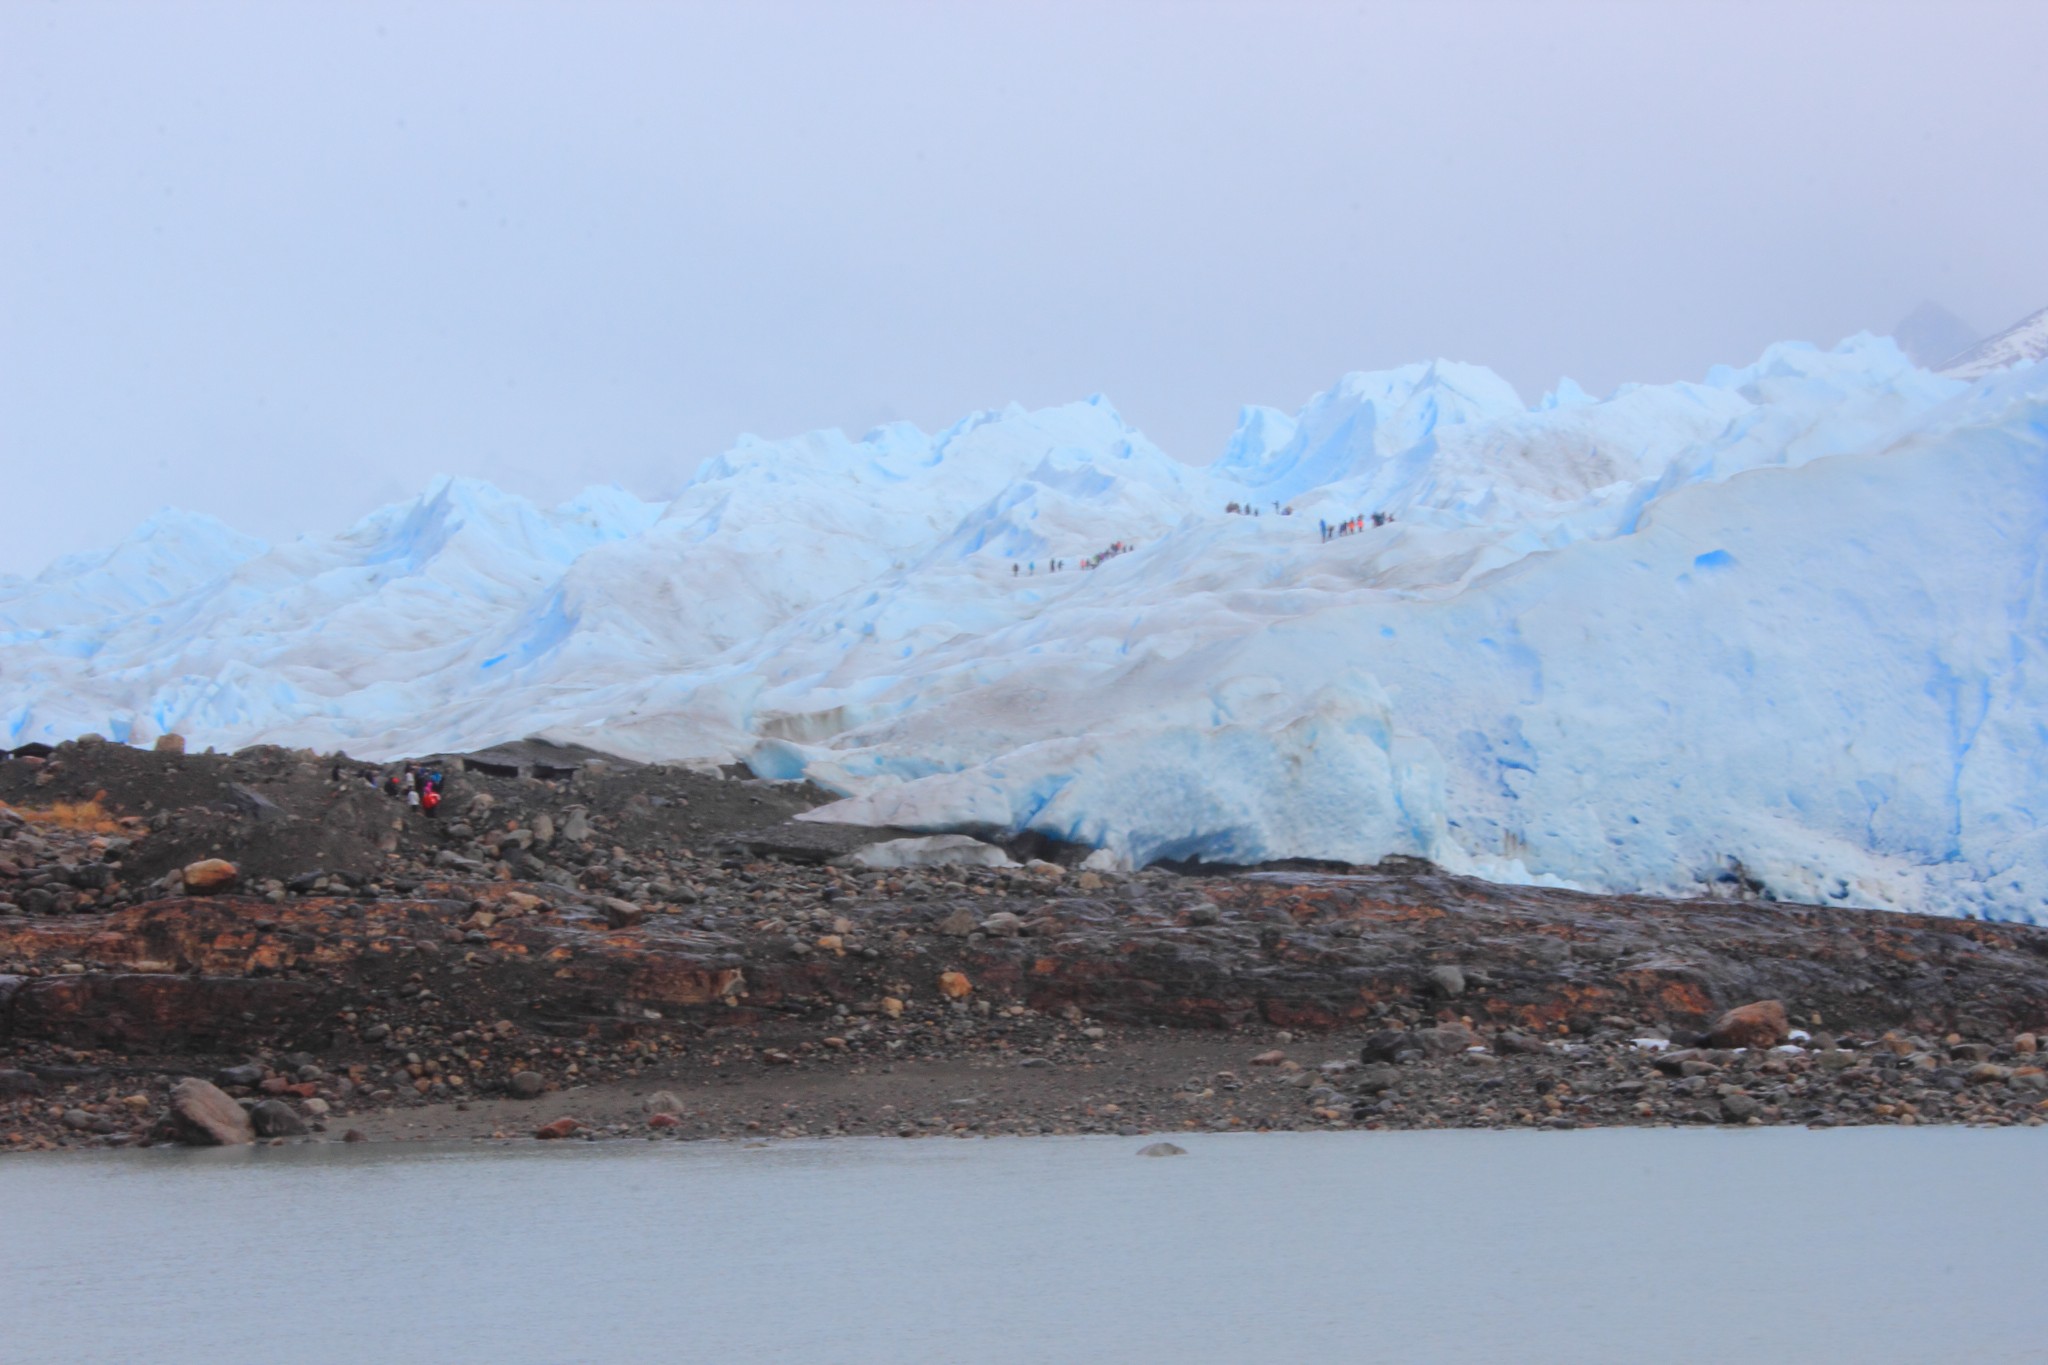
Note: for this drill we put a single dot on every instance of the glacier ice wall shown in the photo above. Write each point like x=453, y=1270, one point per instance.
x=1780, y=624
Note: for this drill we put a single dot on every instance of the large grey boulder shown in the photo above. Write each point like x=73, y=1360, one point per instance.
x=275, y=1118
x=205, y=1116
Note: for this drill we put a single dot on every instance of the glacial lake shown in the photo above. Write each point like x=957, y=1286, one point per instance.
x=1611, y=1245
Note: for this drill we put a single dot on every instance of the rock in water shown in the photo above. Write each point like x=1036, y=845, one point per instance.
x=1162, y=1149
x=275, y=1118
x=206, y=1117
x=1762, y=1024
x=210, y=875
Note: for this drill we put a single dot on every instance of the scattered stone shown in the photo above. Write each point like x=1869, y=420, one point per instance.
x=355, y=1135
x=1376, y=1078
x=15, y=1083
x=527, y=1085
x=1271, y=1057
x=170, y=744
x=1448, y=980
x=1740, y=1107
x=622, y=914
x=560, y=1128
x=1446, y=1040
x=1162, y=1149
x=1002, y=924
x=955, y=985
x=374, y=986
x=662, y=1102
x=1388, y=1045
x=1520, y=1044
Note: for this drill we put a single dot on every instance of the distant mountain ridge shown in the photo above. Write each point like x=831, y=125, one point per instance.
x=2023, y=342
x=1930, y=334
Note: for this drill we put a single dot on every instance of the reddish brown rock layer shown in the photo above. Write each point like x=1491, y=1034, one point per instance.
x=1313, y=952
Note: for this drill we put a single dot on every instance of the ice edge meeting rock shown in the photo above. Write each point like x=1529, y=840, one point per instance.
x=1772, y=633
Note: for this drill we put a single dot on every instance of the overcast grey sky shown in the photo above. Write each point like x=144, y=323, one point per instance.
x=284, y=262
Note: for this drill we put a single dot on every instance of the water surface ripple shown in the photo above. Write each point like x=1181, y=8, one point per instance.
x=1612, y=1245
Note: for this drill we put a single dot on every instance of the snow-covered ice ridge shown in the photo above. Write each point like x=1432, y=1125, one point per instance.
x=2025, y=342
x=1781, y=624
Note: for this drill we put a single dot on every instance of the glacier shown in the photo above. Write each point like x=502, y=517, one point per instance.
x=1775, y=628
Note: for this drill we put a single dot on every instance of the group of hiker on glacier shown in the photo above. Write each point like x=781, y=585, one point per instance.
x=419, y=788
x=1328, y=530
x=1351, y=526
x=1030, y=566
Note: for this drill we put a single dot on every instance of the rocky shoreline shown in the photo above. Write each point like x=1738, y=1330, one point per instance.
x=262, y=946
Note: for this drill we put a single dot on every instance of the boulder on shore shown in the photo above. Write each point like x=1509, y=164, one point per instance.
x=275, y=1118
x=1761, y=1024
x=204, y=1116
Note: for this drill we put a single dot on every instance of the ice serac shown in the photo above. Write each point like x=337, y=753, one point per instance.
x=1780, y=627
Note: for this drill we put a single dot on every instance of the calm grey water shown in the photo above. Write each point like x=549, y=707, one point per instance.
x=1623, y=1245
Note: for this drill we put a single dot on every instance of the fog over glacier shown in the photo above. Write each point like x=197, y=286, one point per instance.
x=1777, y=625
x=283, y=263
